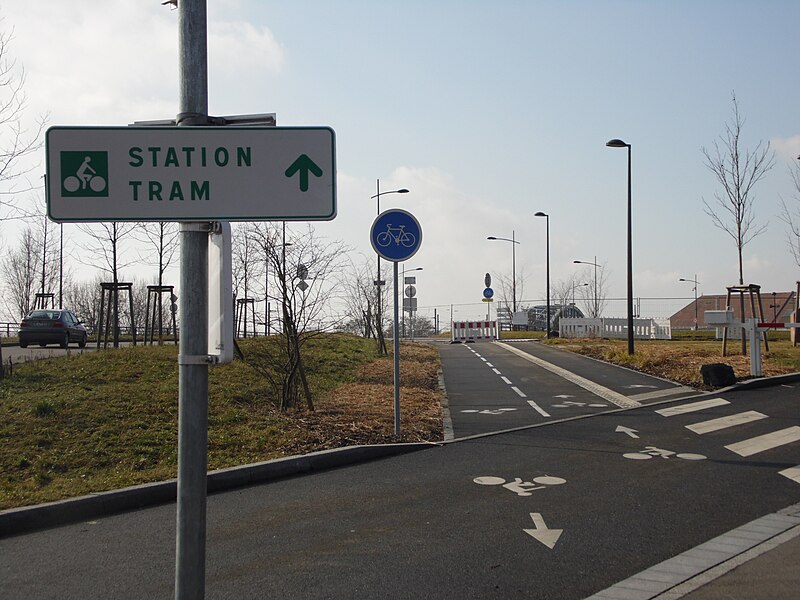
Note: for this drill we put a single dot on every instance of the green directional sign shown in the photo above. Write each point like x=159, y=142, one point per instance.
x=191, y=173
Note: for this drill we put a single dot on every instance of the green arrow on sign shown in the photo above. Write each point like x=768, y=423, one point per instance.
x=304, y=165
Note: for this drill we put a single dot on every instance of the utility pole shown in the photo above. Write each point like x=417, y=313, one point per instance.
x=190, y=547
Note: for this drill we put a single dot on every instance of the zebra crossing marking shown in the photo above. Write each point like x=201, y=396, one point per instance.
x=691, y=407
x=725, y=422
x=765, y=442
x=792, y=473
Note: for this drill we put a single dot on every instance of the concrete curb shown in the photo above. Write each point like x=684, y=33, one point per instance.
x=29, y=518
x=760, y=382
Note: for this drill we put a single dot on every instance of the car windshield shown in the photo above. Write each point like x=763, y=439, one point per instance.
x=45, y=314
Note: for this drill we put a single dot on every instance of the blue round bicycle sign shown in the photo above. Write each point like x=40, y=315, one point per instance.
x=396, y=235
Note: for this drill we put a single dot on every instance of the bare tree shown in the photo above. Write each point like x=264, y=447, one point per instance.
x=595, y=295
x=20, y=269
x=508, y=284
x=247, y=265
x=17, y=141
x=105, y=249
x=737, y=170
x=563, y=291
x=264, y=237
x=791, y=216
x=359, y=299
x=162, y=241
x=304, y=271
x=84, y=299
x=48, y=255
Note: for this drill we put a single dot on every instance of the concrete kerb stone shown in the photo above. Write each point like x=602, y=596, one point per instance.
x=15, y=521
x=760, y=382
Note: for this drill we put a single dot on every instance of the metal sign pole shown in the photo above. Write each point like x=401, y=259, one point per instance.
x=190, y=548
x=396, y=341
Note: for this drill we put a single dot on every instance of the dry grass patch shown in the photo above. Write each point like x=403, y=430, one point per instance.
x=680, y=360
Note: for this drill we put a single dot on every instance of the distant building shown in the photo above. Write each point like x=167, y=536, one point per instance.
x=535, y=318
x=777, y=307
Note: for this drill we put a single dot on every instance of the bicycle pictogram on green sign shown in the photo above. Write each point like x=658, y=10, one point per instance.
x=84, y=174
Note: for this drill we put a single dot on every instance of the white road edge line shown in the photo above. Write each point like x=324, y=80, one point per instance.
x=538, y=408
x=519, y=391
x=590, y=386
x=506, y=380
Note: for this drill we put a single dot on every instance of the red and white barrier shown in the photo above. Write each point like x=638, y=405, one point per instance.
x=472, y=331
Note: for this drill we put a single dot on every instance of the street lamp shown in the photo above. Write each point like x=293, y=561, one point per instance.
x=695, y=282
x=547, y=217
x=596, y=300
x=514, y=243
x=577, y=285
x=404, y=310
x=378, y=281
x=615, y=143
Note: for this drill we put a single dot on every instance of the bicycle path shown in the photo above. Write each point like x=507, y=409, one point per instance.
x=500, y=386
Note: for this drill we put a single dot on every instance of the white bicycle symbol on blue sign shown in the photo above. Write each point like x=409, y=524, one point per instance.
x=397, y=234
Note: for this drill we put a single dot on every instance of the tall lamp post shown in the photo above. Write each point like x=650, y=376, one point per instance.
x=695, y=282
x=547, y=217
x=596, y=300
x=378, y=281
x=615, y=143
x=514, y=243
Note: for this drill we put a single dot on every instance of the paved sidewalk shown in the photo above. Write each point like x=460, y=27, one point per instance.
x=757, y=560
x=773, y=575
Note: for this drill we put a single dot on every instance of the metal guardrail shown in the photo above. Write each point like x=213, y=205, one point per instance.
x=9, y=329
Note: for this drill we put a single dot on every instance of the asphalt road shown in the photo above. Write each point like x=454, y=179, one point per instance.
x=495, y=387
x=18, y=355
x=472, y=519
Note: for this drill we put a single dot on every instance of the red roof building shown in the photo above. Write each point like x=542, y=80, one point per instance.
x=777, y=306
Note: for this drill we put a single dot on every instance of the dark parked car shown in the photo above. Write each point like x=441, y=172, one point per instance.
x=51, y=326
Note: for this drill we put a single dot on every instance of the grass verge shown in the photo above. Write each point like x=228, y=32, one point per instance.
x=103, y=420
x=680, y=360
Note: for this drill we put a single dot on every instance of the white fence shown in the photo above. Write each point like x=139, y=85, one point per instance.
x=643, y=329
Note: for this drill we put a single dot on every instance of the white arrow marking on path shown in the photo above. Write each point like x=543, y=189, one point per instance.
x=548, y=537
x=628, y=430
x=563, y=396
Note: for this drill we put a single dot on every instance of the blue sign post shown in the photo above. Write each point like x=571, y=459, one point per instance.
x=396, y=236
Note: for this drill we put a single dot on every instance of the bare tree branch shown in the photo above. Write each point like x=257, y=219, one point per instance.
x=737, y=171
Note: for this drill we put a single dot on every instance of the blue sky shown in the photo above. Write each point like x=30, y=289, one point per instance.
x=486, y=111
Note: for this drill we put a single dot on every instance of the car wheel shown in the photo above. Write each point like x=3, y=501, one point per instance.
x=82, y=342
x=65, y=341
x=23, y=344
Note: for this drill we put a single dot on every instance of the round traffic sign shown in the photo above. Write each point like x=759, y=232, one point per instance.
x=396, y=235
x=411, y=291
x=488, y=292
